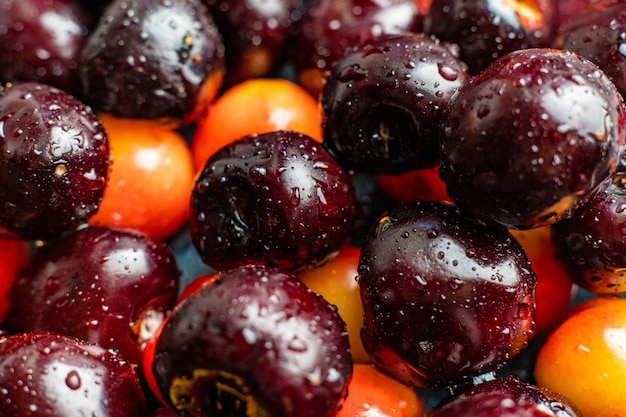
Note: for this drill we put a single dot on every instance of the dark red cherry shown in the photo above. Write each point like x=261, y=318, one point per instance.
x=256, y=35
x=54, y=158
x=599, y=35
x=48, y=374
x=446, y=298
x=256, y=341
x=276, y=199
x=153, y=60
x=328, y=28
x=592, y=243
x=382, y=102
x=109, y=287
x=531, y=138
x=508, y=397
x=488, y=29
x=42, y=41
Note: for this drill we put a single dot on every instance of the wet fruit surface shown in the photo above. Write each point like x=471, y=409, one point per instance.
x=445, y=298
x=276, y=199
x=262, y=343
x=531, y=138
x=330, y=27
x=13, y=255
x=383, y=101
x=42, y=41
x=112, y=288
x=48, y=374
x=591, y=243
x=54, y=157
x=584, y=358
x=153, y=60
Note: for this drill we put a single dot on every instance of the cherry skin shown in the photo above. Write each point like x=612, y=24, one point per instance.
x=54, y=161
x=13, y=256
x=256, y=341
x=70, y=377
x=112, y=288
x=153, y=60
x=277, y=199
x=383, y=102
x=531, y=138
x=591, y=243
x=446, y=298
x=42, y=42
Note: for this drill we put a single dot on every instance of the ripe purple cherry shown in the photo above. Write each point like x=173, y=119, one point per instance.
x=254, y=342
x=277, y=199
x=50, y=374
x=54, y=158
x=383, y=101
x=446, y=298
x=109, y=287
x=531, y=138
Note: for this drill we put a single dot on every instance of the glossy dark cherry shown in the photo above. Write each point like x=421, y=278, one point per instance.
x=276, y=199
x=109, y=287
x=42, y=41
x=592, y=242
x=599, y=35
x=48, y=374
x=488, y=29
x=382, y=102
x=329, y=28
x=531, y=138
x=256, y=342
x=256, y=35
x=445, y=298
x=54, y=158
x=153, y=60
x=507, y=397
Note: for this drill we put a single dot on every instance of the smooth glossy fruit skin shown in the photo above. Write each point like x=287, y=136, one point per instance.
x=54, y=158
x=277, y=199
x=446, y=298
x=256, y=342
x=153, y=60
x=109, y=287
x=531, y=138
x=256, y=35
x=486, y=30
x=583, y=359
x=329, y=28
x=374, y=394
x=13, y=255
x=336, y=282
x=49, y=374
x=42, y=40
x=150, y=180
x=598, y=35
x=508, y=397
x=591, y=243
x=555, y=287
x=382, y=102
x=255, y=106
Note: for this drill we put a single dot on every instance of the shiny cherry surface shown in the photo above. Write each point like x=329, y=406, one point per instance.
x=110, y=287
x=277, y=199
x=382, y=102
x=153, y=60
x=42, y=41
x=54, y=158
x=50, y=374
x=255, y=342
x=531, y=138
x=445, y=298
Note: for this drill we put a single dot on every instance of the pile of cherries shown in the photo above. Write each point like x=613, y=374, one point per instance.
x=515, y=106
